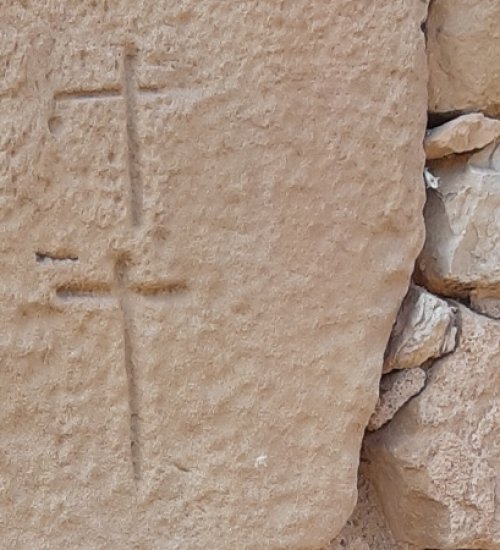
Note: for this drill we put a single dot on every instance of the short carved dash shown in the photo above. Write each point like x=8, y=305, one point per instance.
x=42, y=257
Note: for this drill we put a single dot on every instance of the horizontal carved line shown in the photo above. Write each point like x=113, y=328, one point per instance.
x=82, y=95
x=175, y=94
x=83, y=291
x=160, y=289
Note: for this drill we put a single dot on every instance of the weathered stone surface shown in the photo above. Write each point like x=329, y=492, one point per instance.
x=483, y=302
x=487, y=158
x=210, y=218
x=463, y=134
x=436, y=466
x=396, y=389
x=462, y=246
x=463, y=43
x=425, y=328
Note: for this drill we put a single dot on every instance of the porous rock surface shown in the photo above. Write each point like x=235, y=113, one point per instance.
x=462, y=247
x=463, y=41
x=202, y=257
x=396, y=389
x=460, y=135
x=436, y=465
x=425, y=328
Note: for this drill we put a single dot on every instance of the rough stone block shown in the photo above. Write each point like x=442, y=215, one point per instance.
x=462, y=44
x=210, y=228
x=462, y=247
x=436, y=466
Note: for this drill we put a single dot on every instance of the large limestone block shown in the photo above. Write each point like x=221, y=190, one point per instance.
x=436, y=466
x=210, y=216
x=462, y=247
x=425, y=328
x=463, y=40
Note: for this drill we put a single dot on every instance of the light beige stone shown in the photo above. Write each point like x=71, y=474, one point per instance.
x=460, y=135
x=462, y=247
x=463, y=43
x=396, y=389
x=425, y=328
x=436, y=466
x=210, y=217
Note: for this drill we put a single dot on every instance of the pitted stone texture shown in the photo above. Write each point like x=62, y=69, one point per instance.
x=199, y=375
x=425, y=328
x=396, y=389
x=462, y=42
x=462, y=248
x=436, y=466
x=463, y=134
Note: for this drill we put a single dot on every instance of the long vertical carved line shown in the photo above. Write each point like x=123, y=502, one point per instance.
x=135, y=436
x=134, y=172
x=133, y=393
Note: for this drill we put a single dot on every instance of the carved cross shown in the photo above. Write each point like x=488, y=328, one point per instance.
x=120, y=290
x=129, y=90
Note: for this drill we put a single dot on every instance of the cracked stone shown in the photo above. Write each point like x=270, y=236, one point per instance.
x=462, y=247
x=425, y=328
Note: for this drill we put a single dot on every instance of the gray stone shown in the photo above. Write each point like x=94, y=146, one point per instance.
x=462, y=246
x=425, y=328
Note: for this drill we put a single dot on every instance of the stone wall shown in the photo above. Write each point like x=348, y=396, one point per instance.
x=430, y=475
x=211, y=213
